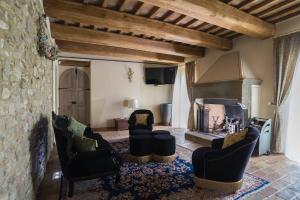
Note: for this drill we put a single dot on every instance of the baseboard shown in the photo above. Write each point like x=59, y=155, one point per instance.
x=161, y=124
x=102, y=129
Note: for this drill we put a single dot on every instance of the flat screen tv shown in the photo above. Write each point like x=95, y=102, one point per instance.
x=160, y=76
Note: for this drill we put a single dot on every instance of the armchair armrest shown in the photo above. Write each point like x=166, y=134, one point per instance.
x=90, y=134
x=199, y=159
x=93, y=154
x=217, y=144
x=221, y=154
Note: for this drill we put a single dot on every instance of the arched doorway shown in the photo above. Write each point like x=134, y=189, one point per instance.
x=74, y=95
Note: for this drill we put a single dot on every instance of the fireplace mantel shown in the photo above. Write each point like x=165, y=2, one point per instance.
x=233, y=89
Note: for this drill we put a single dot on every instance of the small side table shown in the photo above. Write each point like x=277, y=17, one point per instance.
x=121, y=124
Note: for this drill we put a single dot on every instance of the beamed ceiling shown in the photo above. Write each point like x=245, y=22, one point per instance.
x=166, y=31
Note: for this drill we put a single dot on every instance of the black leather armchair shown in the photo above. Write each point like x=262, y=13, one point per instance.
x=140, y=128
x=86, y=165
x=223, y=169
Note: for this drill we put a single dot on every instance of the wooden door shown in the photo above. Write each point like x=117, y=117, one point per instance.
x=74, y=95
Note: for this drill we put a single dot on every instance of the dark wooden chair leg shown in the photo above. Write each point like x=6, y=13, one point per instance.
x=71, y=188
x=118, y=177
x=61, y=187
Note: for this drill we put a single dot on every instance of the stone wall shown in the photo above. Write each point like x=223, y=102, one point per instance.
x=26, y=136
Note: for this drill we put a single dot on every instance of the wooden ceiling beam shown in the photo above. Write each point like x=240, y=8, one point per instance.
x=121, y=6
x=115, y=52
x=178, y=19
x=137, y=7
x=274, y=7
x=227, y=34
x=105, y=3
x=201, y=26
x=218, y=31
x=166, y=15
x=100, y=3
x=212, y=27
x=288, y=11
x=153, y=12
x=74, y=63
x=244, y=3
x=89, y=36
x=223, y=32
x=227, y=1
x=220, y=14
x=191, y=22
x=101, y=17
x=259, y=6
x=235, y=35
x=286, y=17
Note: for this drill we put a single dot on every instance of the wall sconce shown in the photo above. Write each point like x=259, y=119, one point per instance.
x=46, y=47
x=130, y=74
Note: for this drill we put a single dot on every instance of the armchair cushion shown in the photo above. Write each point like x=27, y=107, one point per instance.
x=233, y=138
x=141, y=132
x=92, y=155
x=92, y=164
x=141, y=119
x=83, y=144
x=76, y=127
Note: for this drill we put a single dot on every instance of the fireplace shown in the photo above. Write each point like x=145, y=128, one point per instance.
x=230, y=81
x=212, y=111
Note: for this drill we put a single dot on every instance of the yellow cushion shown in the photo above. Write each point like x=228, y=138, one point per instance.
x=233, y=138
x=141, y=119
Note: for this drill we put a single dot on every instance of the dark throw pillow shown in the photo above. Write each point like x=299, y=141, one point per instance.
x=60, y=122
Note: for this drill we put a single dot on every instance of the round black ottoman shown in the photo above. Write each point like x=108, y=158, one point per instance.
x=161, y=132
x=140, y=145
x=164, y=148
x=140, y=132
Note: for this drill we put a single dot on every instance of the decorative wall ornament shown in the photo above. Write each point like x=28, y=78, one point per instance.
x=45, y=46
x=130, y=74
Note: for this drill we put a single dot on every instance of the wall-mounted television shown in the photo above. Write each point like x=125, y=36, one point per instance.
x=160, y=76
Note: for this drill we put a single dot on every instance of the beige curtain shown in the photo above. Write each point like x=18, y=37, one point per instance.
x=286, y=51
x=190, y=79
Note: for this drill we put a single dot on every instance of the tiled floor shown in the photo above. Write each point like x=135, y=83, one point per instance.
x=283, y=174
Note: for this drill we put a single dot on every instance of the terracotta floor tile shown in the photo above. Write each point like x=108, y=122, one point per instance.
x=286, y=194
x=268, y=191
x=273, y=197
x=255, y=196
x=291, y=179
x=297, y=198
x=295, y=187
x=280, y=184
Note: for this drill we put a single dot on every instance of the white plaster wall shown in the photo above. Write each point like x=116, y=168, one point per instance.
x=110, y=87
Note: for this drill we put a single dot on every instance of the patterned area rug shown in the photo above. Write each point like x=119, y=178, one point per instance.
x=158, y=181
